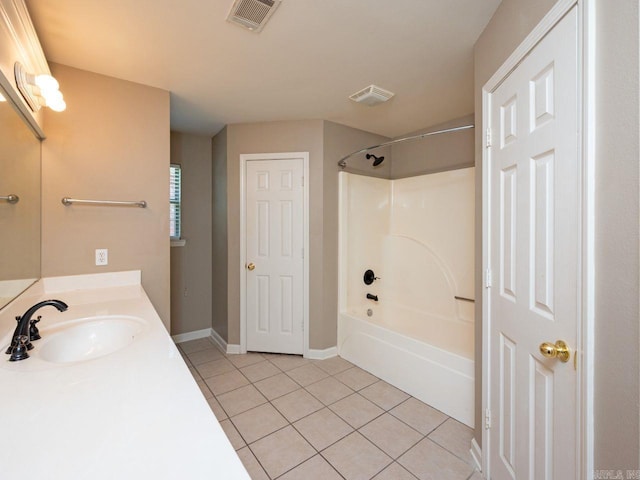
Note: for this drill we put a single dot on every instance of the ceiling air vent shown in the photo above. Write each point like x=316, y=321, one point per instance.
x=372, y=95
x=252, y=14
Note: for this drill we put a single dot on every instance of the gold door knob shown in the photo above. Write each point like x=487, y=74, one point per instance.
x=560, y=350
x=251, y=266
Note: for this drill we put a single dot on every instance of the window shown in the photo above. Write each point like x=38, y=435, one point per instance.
x=175, y=186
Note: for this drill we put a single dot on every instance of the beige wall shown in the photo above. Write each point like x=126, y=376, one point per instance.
x=275, y=137
x=434, y=154
x=191, y=264
x=341, y=141
x=112, y=142
x=219, y=238
x=617, y=372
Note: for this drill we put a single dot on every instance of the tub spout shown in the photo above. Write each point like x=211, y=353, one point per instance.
x=372, y=297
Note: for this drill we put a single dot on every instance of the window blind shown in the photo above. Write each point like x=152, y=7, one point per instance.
x=175, y=187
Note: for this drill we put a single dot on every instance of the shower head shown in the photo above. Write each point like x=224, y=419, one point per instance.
x=376, y=160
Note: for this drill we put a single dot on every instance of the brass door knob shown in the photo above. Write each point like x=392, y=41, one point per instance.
x=559, y=350
x=251, y=266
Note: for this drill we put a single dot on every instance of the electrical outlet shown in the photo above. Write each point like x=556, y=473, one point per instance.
x=102, y=256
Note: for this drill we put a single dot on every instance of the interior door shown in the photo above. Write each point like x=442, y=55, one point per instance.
x=534, y=252
x=274, y=253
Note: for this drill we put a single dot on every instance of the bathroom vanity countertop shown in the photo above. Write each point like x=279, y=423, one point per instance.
x=133, y=414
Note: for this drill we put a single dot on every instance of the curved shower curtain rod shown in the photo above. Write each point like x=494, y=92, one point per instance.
x=343, y=164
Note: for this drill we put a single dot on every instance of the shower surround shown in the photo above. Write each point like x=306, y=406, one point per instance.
x=417, y=235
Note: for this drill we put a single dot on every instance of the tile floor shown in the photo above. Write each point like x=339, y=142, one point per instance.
x=293, y=418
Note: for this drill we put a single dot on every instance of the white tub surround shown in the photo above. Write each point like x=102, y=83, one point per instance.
x=417, y=235
x=135, y=413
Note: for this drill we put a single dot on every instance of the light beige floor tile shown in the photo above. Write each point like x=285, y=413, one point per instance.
x=241, y=399
x=259, y=422
x=288, y=362
x=455, y=437
x=384, y=395
x=276, y=386
x=316, y=468
x=322, y=428
x=215, y=367
x=394, y=471
x=256, y=472
x=333, y=365
x=307, y=374
x=356, y=378
x=418, y=415
x=260, y=370
x=297, y=404
x=226, y=382
x=476, y=476
x=356, y=410
x=202, y=356
x=232, y=434
x=244, y=359
x=281, y=451
x=204, y=389
x=391, y=435
x=429, y=461
x=218, y=411
x=355, y=458
x=329, y=390
x=196, y=345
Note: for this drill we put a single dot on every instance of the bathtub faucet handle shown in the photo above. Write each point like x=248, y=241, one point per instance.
x=369, y=277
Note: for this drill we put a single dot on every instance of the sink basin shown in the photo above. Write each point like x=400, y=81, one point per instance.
x=88, y=338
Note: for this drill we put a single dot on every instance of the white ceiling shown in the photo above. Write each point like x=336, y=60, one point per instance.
x=305, y=63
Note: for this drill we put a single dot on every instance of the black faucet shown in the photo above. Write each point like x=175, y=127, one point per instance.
x=372, y=297
x=27, y=330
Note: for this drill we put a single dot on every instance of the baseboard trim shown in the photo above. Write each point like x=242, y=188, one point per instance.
x=476, y=454
x=218, y=340
x=233, y=349
x=322, y=354
x=185, y=337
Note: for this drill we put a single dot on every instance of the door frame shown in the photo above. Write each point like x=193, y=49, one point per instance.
x=586, y=152
x=248, y=157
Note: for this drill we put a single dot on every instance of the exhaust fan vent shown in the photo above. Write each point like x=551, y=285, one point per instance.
x=372, y=95
x=252, y=14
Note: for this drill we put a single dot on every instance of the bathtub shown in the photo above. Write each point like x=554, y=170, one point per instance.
x=429, y=359
x=420, y=336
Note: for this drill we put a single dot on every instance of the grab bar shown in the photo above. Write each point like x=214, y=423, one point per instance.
x=11, y=198
x=68, y=201
x=465, y=299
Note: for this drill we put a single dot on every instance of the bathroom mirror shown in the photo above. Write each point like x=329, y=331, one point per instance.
x=20, y=176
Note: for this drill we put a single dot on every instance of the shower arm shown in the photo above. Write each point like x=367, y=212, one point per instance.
x=343, y=161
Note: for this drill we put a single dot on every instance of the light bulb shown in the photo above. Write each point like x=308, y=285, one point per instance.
x=47, y=83
x=58, y=106
x=55, y=100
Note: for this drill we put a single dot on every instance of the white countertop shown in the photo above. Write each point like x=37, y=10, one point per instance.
x=133, y=414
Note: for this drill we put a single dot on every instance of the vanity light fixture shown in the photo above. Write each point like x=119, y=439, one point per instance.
x=39, y=90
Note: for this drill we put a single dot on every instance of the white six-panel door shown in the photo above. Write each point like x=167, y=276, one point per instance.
x=534, y=252
x=274, y=255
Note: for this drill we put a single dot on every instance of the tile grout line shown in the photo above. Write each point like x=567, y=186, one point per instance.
x=324, y=405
